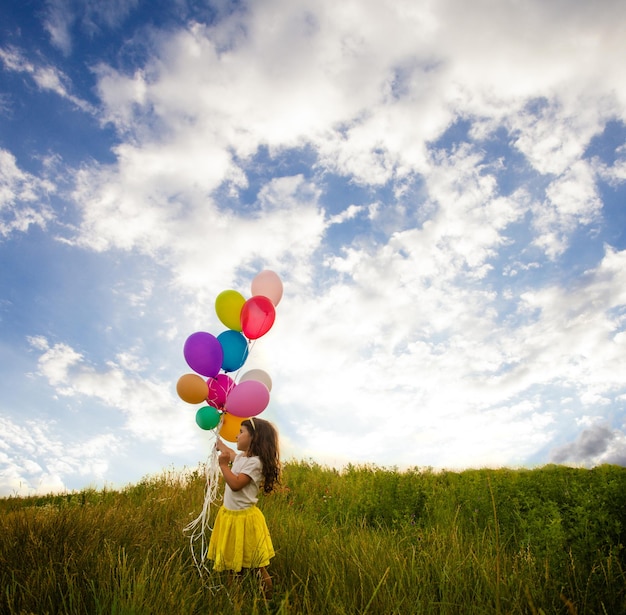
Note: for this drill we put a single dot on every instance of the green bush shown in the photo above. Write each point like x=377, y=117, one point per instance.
x=362, y=540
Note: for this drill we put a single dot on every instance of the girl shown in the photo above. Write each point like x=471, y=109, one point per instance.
x=240, y=537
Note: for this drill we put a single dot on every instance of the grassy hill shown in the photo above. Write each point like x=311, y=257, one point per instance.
x=363, y=540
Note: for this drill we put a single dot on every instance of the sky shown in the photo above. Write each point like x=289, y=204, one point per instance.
x=440, y=186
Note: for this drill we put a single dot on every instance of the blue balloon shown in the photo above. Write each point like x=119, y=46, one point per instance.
x=235, y=347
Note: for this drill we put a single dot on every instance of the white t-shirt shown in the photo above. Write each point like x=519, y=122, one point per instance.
x=246, y=497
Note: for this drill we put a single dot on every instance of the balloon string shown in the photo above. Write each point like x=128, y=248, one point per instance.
x=200, y=528
x=251, y=344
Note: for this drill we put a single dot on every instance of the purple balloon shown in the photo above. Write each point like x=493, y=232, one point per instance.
x=204, y=354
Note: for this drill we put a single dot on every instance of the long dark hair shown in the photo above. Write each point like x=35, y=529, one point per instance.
x=265, y=446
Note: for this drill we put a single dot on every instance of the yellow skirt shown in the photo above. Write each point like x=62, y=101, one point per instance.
x=240, y=539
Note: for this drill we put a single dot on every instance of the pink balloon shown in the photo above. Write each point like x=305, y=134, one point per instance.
x=219, y=388
x=257, y=317
x=247, y=399
x=268, y=284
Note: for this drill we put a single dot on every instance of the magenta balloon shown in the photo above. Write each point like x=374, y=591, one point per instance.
x=203, y=353
x=219, y=387
x=247, y=399
x=257, y=317
x=268, y=284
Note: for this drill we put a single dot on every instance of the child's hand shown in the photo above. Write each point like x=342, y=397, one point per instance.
x=224, y=459
x=222, y=447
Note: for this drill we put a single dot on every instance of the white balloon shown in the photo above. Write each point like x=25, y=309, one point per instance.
x=259, y=375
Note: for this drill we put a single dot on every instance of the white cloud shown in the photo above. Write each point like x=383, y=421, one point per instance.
x=428, y=316
x=38, y=458
x=46, y=77
x=58, y=23
x=150, y=409
x=56, y=362
x=214, y=91
x=90, y=15
x=574, y=335
x=405, y=328
x=434, y=360
x=553, y=138
x=614, y=174
x=287, y=226
x=572, y=200
x=23, y=198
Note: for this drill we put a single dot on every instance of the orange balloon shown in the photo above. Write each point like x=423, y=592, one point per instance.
x=230, y=427
x=192, y=388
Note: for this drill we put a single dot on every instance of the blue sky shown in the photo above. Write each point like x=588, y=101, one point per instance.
x=440, y=187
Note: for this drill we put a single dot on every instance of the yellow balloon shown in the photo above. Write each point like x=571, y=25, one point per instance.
x=230, y=427
x=192, y=388
x=228, y=306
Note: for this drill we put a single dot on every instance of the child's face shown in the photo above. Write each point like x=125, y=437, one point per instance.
x=244, y=439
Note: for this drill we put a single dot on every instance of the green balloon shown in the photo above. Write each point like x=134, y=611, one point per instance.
x=208, y=417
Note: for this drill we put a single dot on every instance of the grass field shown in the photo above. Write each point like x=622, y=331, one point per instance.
x=363, y=540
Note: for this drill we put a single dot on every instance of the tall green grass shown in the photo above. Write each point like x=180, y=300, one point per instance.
x=364, y=540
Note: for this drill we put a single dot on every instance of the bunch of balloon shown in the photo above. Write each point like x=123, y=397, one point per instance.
x=214, y=358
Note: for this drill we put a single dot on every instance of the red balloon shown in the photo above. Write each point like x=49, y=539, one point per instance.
x=257, y=316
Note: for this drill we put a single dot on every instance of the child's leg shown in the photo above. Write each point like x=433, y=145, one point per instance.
x=235, y=577
x=266, y=581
